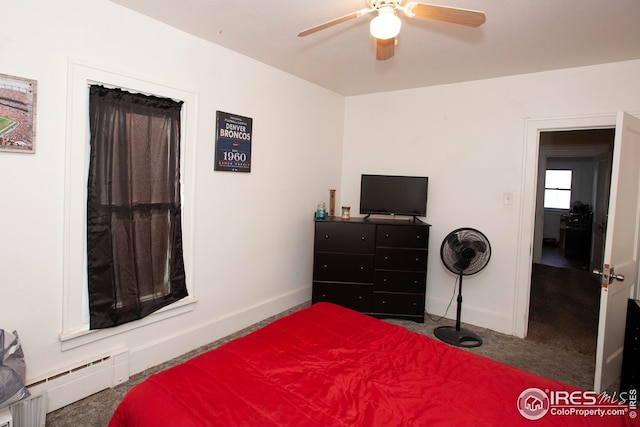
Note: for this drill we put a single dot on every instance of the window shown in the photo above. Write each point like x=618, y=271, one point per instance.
x=557, y=189
x=74, y=326
x=135, y=264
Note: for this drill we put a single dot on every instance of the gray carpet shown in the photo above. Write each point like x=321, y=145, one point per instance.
x=564, y=308
x=542, y=358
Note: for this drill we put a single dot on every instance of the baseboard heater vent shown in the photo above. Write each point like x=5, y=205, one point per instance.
x=67, y=372
x=30, y=412
x=77, y=382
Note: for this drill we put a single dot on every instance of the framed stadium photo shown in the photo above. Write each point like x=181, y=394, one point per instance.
x=17, y=114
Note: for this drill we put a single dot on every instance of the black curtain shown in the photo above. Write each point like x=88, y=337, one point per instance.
x=134, y=226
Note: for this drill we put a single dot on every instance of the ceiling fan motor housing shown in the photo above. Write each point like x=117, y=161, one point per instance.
x=376, y=4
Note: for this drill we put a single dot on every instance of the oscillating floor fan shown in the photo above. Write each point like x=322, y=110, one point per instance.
x=464, y=251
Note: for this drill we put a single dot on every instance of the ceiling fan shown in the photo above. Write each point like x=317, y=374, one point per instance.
x=386, y=25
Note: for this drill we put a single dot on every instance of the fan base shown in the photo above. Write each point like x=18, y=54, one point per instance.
x=458, y=337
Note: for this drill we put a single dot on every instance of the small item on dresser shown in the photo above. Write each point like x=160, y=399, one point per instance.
x=332, y=203
x=321, y=211
x=346, y=212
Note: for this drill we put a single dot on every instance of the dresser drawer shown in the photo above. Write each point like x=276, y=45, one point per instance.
x=339, y=267
x=355, y=297
x=401, y=259
x=402, y=236
x=345, y=237
x=386, y=302
x=400, y=281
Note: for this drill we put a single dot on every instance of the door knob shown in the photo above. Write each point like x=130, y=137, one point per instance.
x=608, y=275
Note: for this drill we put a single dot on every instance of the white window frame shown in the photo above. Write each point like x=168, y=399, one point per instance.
x=75, y=327
x=569, y=190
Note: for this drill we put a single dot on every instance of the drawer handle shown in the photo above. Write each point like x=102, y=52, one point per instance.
x=418, y=237
x=325, y=266
x=386, y=258
x=415, y=282
x=361, y=267
x=417, y=259
x=326, y=236
x=384, y=301
x=360, y=297
x=384, y=280
x=363, y=238
x=387, y=236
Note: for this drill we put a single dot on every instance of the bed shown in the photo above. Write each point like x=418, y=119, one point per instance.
x=326, y=365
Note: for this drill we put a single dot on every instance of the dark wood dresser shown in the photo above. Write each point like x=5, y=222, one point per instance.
x=375, y=266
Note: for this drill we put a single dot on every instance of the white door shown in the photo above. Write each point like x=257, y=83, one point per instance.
x=621, y=250
x=600, y=209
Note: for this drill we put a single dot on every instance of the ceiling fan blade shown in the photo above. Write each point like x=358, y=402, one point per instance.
x=385, y=48
x=471, y=18
x=336, y=21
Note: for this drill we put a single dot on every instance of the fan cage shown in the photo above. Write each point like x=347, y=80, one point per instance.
x=472, y=254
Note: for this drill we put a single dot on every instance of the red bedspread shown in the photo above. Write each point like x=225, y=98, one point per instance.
x=330, y=366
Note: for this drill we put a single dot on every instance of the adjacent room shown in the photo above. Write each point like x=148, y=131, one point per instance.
x=260, y=123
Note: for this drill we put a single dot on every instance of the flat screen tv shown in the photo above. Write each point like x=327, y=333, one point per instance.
x=393, y=195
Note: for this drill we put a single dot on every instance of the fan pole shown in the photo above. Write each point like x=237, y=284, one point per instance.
x=459, y=310
x=456, y=335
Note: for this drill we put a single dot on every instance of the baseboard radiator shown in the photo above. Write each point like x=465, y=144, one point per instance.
x=78, y=382
x=30, y=412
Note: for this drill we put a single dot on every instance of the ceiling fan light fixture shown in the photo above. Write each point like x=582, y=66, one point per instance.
x=386, y=25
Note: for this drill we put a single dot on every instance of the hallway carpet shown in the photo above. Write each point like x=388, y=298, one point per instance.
x=564, y=308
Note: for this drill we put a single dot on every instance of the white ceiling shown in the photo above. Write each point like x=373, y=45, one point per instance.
x=519, y=36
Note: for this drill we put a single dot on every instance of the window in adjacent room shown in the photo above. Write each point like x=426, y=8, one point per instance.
x=135, y=260
x=557, y=189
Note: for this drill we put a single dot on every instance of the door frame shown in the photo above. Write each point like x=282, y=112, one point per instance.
x=529, y=192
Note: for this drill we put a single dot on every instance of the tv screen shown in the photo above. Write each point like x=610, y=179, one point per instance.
x=393, y=195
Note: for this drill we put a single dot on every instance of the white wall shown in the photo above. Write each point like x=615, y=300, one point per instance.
x=252, y=250
x=469, y=138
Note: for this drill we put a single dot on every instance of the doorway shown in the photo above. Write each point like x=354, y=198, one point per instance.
x=564, y=294
x=622, y=233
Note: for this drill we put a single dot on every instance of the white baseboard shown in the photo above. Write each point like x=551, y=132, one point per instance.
x=158, y=352
x=108, y=370
x=472, y=315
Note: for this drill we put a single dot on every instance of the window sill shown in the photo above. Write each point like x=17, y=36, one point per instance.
x=81, y=337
